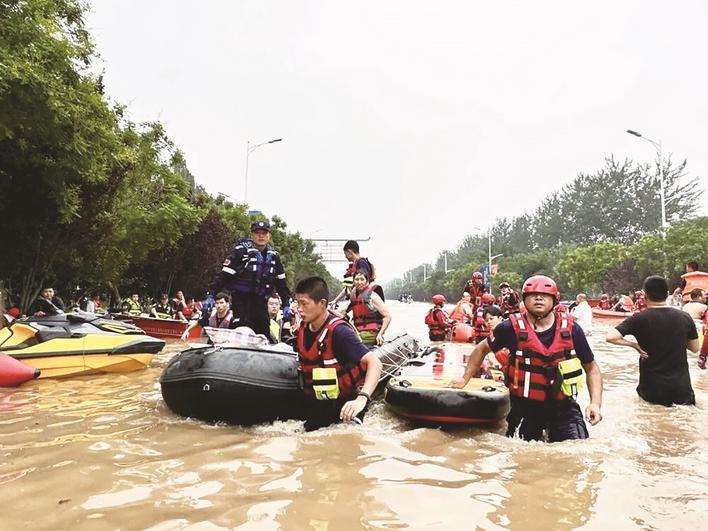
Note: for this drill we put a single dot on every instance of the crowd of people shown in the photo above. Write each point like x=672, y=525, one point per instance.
x=532, y=341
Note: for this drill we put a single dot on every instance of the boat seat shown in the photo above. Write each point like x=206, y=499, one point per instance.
x=53, y=333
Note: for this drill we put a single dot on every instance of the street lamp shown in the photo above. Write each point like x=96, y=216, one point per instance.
x=250, y=149
x=657, y=146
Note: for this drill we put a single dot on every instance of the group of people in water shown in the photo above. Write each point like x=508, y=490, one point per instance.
x=534, y=343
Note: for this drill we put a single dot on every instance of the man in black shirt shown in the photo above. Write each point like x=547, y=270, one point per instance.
x=663, y=334
x=46, y=304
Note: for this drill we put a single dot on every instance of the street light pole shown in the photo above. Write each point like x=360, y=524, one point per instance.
x=659, y=152
x=250, y=149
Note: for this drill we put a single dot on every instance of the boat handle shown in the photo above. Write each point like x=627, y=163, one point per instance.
x=206, y=387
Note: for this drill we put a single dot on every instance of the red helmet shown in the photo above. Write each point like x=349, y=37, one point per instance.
x=488, y=298
x=540, y=284
x=477, y=275
x=438, y=299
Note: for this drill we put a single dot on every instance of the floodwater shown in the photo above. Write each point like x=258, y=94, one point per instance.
x=104, y=452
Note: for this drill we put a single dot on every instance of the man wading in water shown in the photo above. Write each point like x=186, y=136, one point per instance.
x=663, y=334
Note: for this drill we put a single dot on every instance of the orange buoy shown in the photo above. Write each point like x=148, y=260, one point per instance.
x=14, y=373
x=463, y=333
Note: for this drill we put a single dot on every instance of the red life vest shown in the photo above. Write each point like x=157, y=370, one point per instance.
x=604, y=304
x=366, y=317
x=353, y=266
x=505, y=304
x=533, y=368
x=225, y=322
x=480, y=324
x=321, y=354
x=432, y=320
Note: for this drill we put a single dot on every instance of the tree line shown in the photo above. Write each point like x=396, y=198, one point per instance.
x=599, y=233
x=90, y=199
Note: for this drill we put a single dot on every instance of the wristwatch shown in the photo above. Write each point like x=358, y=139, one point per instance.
x=365, y=394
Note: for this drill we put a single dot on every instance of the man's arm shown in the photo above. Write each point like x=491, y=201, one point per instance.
x=373, y=367
x=693, y=345
x=615, y=337
x=381, y=308
x=593, y=377
x=474, y=362
x=281, y=285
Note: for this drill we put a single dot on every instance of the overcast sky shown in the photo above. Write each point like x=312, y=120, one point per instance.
x=409, y=122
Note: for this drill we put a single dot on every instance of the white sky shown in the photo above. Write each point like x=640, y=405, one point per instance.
x=408, y=121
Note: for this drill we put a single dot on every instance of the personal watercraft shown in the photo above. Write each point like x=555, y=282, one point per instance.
x=78, y=343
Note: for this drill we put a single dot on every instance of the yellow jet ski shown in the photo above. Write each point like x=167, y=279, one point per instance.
x=78, y=343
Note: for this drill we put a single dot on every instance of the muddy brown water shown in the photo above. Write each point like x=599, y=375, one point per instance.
x=104, y=452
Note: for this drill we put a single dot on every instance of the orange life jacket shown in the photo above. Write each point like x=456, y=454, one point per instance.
x=458, y=314
x=321, y=354
x=533, y=369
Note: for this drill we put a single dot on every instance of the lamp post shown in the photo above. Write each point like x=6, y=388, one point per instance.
x=250, y=149
x=659, y=152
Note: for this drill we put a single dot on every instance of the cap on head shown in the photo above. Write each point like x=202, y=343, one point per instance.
x=540, y=284
x=504, y=285
x=260, y=225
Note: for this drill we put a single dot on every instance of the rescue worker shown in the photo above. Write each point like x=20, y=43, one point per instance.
x=463, y=310
x=251, y=272
x=604, y=303
x=132, y=304
x=220, y=316
x=480, y=324
x=548, y=351
x=475, y=288
x=340, y=373
x=356, y=263
x=437, y=320
x=371, y=317
x=508, y=299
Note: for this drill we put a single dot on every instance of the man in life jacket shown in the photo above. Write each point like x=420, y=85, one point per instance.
x=251, y=272
x=276, y=316
x=339, y=371
x=548, y=352
x=220, y=316
x=508, y=299
x=475, y=288
x=133, y=304
x=437, y=320
x=463, y=310
x=164, y=309
x=604, y=303
x=480, y=324
x=356, y=263
x=371, y=317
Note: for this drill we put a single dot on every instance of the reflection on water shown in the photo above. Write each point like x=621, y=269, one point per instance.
x=103, y=452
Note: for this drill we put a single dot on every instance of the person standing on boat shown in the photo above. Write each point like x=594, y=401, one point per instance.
x=475, y=288
x=251, y=272
x=548, y=352
x=46, y=304
x=371, y=317
x=356, y=263
x=220, y=316
x=663, y=334
x=340, y=373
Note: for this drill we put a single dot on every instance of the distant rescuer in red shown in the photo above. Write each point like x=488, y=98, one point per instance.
x=339, y=371
x=663, y=334
x=548, y=353
x=475, y=288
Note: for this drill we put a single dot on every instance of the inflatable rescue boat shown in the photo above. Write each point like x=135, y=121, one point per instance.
x=421, y=393
x=252, y=384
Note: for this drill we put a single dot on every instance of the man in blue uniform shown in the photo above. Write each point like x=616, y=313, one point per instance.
x=251, y=272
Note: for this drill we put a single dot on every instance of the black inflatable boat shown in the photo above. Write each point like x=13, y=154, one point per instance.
x=248, y=385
